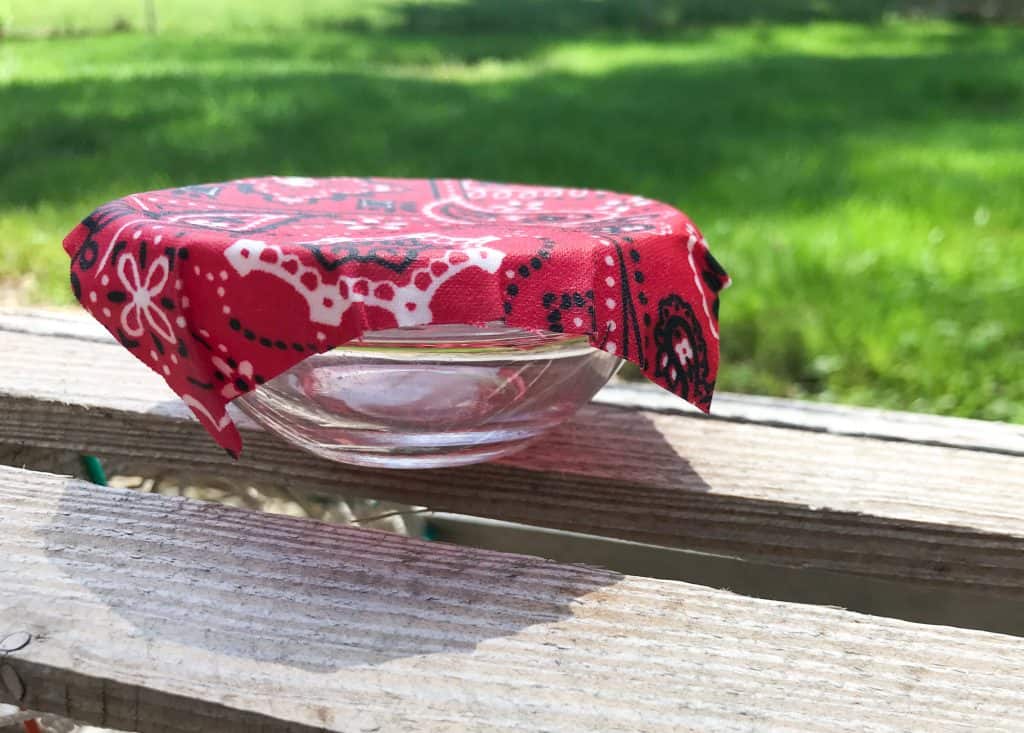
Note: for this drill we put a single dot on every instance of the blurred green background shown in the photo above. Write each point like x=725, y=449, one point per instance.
x=858, y=166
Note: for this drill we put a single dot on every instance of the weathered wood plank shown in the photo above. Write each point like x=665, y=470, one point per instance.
x=881, y=508
x=837, y=419
x=154, y=614
x=910, y=427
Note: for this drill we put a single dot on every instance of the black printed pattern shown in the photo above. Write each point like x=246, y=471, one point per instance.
x=681, y=359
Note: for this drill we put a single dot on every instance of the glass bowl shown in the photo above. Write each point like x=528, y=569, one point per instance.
x=431, y=396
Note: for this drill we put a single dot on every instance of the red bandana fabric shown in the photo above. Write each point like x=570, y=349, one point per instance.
x=220, y=287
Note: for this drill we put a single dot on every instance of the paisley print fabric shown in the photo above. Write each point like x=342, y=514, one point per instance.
x=219, y=287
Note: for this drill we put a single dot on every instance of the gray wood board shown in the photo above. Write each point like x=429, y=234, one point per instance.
x=158, y=614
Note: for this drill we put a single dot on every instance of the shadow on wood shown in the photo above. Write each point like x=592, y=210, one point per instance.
x=342, y=597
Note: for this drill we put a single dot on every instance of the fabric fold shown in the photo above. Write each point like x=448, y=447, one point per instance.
x=220, y=287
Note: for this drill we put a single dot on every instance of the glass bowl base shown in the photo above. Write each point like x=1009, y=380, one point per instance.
x=404, y=457
x=432, y=396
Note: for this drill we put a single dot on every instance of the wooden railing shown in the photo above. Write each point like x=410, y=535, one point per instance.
x=151, y=613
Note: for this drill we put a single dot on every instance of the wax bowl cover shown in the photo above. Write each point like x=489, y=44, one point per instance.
x=219, y=287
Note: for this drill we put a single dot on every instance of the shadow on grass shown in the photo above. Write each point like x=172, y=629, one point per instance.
x=751, y=134
x=654, y=16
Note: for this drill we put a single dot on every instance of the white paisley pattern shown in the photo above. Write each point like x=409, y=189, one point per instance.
x=142, y=295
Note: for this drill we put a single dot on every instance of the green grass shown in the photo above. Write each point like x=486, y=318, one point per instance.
x=863, y=184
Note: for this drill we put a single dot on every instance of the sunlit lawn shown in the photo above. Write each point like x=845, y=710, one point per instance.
x=864, y=185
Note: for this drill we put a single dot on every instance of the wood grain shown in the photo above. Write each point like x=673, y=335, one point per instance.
x=155, y=614
x=910, y=427
x=799, y=414
x=898, y=510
